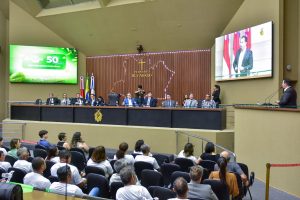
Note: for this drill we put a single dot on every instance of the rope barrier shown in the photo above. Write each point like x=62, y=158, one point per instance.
x=268, y=166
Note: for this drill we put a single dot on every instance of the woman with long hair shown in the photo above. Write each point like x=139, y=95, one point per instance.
x=77, y=142
x=53, y=155
x=227, y=178
x=122, y=153
x=188, y=152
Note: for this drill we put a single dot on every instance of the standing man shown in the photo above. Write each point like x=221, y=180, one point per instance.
x=169, y=103
x=243, y=61
x=113, y=98
x=139, y=95
x=191, y=102
x=289, y=97
x=149, y=101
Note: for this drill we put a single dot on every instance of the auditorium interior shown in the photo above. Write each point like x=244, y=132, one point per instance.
x=179, y=32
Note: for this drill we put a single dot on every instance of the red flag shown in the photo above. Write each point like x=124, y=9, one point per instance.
x=226, y=53
x=236, y=42
x=248, y=34
x=81, y=86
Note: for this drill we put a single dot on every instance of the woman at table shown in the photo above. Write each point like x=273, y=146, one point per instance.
x=77, y=142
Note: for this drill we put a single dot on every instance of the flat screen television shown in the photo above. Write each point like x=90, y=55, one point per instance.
x=36, y=64
x=244, y=54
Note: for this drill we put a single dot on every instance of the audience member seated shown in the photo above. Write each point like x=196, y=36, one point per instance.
x=62, y=140
x=65, y=100
x=65, y=178
x=129, y=101
x=53, y=155
x=118, y=166
x=232, y=166
x=123, y=147
x=188, y=153
x=149, y=101
x=22, y=163
x=2, y=147
x=146, y=157
x=92, y=101
x=98, y=159
x=209, y=153
x=208, y=102
x=191, y=102
x=225, y=177
x=36, y=178
x=43, y=141
x=52, y=100
x=77, y=142
x=65, y=159
x=180, y=187
x=3, y=164
x=169, y=103
x=137, y=147
x=78, y=100
x=198, y=190
x=131, y=191
x=14, y=146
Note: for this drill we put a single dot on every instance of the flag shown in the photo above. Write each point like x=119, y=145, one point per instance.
x=87, y=94
x=81, y=86
x=226, y=53
x=92, y=84
x=248, y=34
x=236, y=42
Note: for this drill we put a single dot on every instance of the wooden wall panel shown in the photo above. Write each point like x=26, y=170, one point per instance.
x=176, y=73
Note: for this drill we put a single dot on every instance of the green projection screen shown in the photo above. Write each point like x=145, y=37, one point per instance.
x=34, y=64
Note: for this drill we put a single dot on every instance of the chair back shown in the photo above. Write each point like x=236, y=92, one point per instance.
x=18, y=175
x=112, y=162
x=184, y=163
x=96, y=180
x=78, y=160
x=151, y=178
x=38, y=146
x=40, y=153
x=177, y=174
x=135, y=154
x=219, y=188
x=91, y=150
x=211, y=157
x=10, y=159
x=114, y=186
x=78, y=150
x=53, y=179
x=60, y=148
x=167, y=169
x=47, y=171
x=208, y=164
x=240, y=186
x=160, y=158
x=161, y=192
x=95, y=170
x=30, y=159
x=140, y=166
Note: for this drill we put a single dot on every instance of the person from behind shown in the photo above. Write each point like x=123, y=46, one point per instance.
x=146, y=157
x=198, y=190
x=180, y=187
x=208, y=102
x=65, y=159
x=225, y=177
x=77, y=142
x=188, y=152
x=2, y=147
x=216, y=95
x=191, y=102
x=65, y=100
x=98, y=159
x=129, y=101
x=14, y=146
x=3, y=164
x=63, y=141
x=123, y=147
x=289, y=96
x=137, y=147
x=52, y=100
x=113, y=98
x=22, y=163
x=118, y=166
x=209, y=153
x=131, y=191
x=169, y=103
x=53, y=155
x=43, y=139
x=149, y=101
x=36, y=178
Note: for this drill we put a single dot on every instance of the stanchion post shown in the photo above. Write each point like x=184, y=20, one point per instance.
x=268, y=166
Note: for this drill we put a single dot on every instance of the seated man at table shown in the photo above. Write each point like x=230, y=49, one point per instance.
x=149, y=101
x=129, y=101
x=169, y=103
x=52, y=100
x=65, y=100
x=92, y=101
x=191, y=102
x=78, y=100
x=208, y=102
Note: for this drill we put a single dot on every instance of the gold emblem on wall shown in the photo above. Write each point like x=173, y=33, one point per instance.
x=98, y=116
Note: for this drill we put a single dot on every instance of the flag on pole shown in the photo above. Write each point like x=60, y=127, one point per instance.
x=236, y=42
x=226, y=53
x=248, y=34
x=81, y=86
x=92, y=84
x=87, y=90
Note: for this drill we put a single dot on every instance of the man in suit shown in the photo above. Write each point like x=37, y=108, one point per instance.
x=113, y=98
x=129, y=101
x=198, y=190
x=149, y=101
x=92, y=101
x=289, y=97
x=168, y=103
x=52, y=100
x=65, y=100
x=208, y=102
x=243, y=61
x=191, y=102
x=78, y=100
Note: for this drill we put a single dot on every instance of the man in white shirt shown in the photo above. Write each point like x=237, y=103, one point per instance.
x=65, y=159
x=1, y=146
x=191, y=102
x=36, y=178
x=131, y=191
x=3, y=164
x=181, y=188
x=146, y=158
x=22, y=163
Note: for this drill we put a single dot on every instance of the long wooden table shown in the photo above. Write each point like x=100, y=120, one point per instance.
x=196, y=118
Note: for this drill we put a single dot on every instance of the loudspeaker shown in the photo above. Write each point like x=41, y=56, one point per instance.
x=11, y=191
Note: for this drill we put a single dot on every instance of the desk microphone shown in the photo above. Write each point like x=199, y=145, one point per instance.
x=268, y=98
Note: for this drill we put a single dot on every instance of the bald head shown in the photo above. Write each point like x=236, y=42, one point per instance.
x=225, y=154
x=181, y=187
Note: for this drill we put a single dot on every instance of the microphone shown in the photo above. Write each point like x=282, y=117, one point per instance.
x=268, y=98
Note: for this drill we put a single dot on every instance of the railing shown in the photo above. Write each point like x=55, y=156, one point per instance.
x=203, y=142
x=10, y=130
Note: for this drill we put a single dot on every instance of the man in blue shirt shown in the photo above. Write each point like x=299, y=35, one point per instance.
x=43, y=141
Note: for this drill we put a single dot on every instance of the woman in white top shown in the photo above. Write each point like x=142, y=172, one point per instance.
x=121, y=153
x=53, y=155
x=77, y=142
x=188, y=153
x=98, y=159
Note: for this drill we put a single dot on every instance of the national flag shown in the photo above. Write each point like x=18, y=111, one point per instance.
x=226, y=53
x=236, y=42
x=87, y=90
x=248, y=34
x=92, y=84
x=81, y=86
